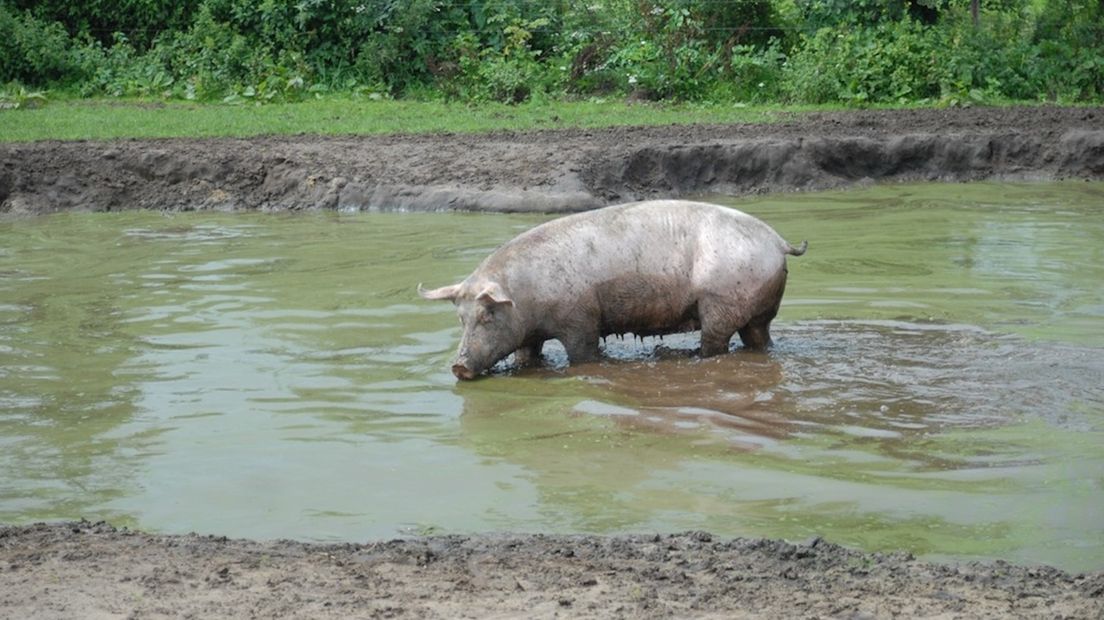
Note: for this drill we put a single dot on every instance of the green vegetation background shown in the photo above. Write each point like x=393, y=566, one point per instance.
x=851, y=52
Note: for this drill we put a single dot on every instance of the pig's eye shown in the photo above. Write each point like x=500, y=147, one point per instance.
x=486, y=316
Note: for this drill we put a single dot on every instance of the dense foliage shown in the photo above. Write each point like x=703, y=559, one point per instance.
x=815, y=51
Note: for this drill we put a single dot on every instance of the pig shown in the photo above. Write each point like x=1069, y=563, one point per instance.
x=650, y=268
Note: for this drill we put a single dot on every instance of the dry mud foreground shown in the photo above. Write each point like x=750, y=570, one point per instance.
x=554, y=170
x=84, y=570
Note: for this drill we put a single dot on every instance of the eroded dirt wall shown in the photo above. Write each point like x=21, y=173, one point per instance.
x=555, y=170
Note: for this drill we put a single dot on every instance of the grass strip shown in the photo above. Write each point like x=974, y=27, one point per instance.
x=100, y=119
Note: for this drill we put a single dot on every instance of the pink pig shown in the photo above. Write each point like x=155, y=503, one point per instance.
x=650, y=268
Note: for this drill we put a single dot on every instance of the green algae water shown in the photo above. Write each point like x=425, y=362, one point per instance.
x=937, y=383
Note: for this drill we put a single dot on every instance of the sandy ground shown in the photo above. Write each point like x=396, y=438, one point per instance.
x=84, y=570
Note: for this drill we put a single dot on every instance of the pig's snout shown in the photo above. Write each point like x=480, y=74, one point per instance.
x=463, y=372
x=462, y=365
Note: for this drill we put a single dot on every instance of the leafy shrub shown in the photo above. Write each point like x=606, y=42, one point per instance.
x=120, y=71
x=34, y=51
x=140, y=21
x=1012, y=54
x=666, y=48
x=756, y=74
x=18, y=97
x=667, y=54
x=855, y=51
x=512, y=72
x=993, y=60
x=739, y=22
x=1070, y=43
x=215, y=58
x=1008, y=55
x=892, y=61
x=817, y=14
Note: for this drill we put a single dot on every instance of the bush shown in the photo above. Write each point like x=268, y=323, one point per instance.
x=817, y=14
x=992, y=61
x=1009, y=55
x=888, y=62
x=121, y=71
x=817, y=51
x=756, y=75
x=215, y=59
x=739, y=22
x=33, y=51
x=665, y=48
x=507, y=73
x=140, y=21
x=1070, y=43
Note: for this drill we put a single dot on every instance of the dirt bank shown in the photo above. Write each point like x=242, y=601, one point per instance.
x=559, y=170
x=83, y=570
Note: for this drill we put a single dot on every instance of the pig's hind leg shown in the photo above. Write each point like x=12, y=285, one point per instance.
x=720, y=319
x=756, y=334
x=581, y=345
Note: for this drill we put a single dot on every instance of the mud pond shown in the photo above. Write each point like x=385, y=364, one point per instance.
x=937, y=383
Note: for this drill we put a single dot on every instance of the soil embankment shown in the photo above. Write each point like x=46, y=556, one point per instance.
x=555, y=170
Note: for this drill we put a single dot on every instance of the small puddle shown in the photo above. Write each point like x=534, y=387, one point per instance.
x=937, y=383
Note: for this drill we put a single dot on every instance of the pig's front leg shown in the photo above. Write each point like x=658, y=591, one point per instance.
x=581, y=345
x=529, y=354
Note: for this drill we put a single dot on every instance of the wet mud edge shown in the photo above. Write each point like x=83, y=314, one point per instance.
x=83, y=569
x=553, y=170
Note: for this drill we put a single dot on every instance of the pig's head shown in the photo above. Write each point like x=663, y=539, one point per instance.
x=492, y=325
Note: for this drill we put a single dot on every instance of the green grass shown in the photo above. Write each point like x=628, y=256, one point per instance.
x=101, y=119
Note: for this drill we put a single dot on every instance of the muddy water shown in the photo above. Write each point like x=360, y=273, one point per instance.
x=937, y=384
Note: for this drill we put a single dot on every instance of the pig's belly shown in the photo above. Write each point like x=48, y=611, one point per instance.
x=646, y=305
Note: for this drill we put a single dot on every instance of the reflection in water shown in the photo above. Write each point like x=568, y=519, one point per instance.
x=673, y=390
x=935, y=384
x=57, y=411
x=903, y=427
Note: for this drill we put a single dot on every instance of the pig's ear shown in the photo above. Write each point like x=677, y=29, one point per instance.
x=445, y=292
x=493, y=295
